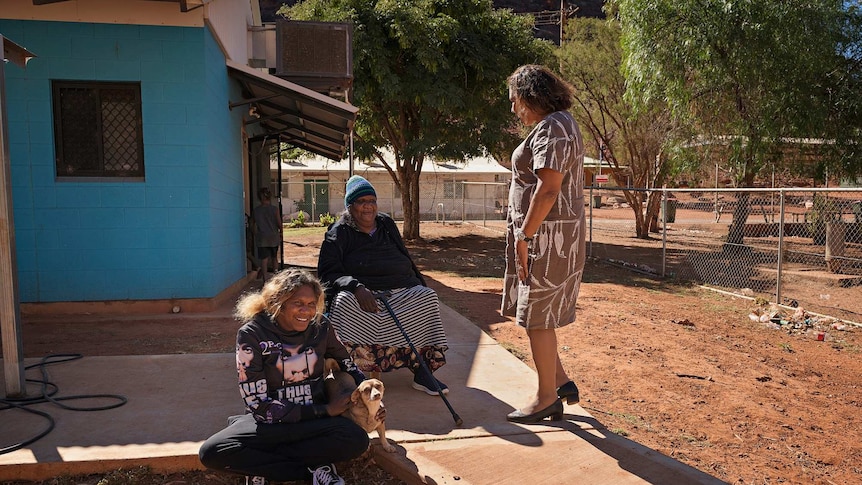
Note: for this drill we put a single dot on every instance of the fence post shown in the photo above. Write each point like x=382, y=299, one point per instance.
x=780, y=246
x=484, y=203
x=590, y=252
x=463, y=203
x=663, y=230
x=392, y=203
x=313, y=199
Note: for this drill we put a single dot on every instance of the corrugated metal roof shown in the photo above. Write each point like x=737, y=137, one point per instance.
x=320, y=164
x=485, y=164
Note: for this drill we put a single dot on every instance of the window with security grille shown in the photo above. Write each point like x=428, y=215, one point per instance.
x=453, y=189
x=98, y=129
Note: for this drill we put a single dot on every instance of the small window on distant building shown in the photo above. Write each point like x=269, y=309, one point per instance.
x=453, y=189
x=98, y=129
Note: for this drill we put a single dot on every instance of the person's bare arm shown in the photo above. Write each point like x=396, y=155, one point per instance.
x=547, y=190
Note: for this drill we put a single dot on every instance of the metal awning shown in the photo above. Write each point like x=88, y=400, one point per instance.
x=15, y=53
x=294, y=114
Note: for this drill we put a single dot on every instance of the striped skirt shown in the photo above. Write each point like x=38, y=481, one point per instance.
x=375, y=342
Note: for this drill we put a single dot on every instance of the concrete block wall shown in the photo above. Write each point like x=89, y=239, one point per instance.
x=175, y=234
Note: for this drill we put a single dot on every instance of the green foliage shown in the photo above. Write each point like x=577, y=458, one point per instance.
x=299, y=220
x=750, y=73
x=429, y=79
x=326, y=219
x=637, y=142
x=289, y=152
x=313, y=230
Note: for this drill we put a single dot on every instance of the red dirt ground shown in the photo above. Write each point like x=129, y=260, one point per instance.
x=682, y=370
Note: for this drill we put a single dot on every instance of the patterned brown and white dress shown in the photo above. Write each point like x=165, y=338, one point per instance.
x=557, y=253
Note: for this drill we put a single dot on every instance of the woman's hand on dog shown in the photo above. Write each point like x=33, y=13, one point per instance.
x=339, y=405
x=381, y=413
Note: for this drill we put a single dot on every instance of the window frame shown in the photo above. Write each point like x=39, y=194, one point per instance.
x=102, y=174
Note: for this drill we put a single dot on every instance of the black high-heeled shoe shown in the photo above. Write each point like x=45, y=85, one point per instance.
x=555, y=411
x=569, y=392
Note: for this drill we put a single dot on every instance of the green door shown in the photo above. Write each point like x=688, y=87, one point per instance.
x=316, y=197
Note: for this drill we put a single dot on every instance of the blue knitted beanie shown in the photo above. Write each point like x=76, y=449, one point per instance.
x=356, y=188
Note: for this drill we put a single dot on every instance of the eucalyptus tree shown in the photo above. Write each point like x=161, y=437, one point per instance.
x=751, y=75
x=635, y=143
x=429, y=80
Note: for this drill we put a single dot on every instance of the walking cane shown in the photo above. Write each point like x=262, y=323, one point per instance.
x=382, y=296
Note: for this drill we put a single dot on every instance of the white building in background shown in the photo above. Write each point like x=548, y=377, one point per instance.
x=453, y=191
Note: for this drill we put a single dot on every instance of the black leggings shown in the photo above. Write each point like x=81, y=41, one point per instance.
x=283, y=451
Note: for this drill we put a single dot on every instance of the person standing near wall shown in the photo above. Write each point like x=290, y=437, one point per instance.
x=267, y=231
x=545, y=243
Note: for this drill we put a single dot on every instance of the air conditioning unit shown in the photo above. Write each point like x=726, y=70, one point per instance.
x=317, y=55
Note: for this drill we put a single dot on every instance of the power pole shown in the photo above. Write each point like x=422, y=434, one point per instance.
x=554, y=17
x=562, y=19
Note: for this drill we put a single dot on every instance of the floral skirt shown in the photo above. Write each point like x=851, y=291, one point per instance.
x=382, y=358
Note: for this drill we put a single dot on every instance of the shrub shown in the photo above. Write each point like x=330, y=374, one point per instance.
x=326, y=219
x=299, y=221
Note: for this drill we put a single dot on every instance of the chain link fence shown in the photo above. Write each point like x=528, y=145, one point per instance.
x=444, y=201
x=795, y=247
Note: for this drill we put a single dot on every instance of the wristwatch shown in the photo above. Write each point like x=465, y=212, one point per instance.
x=520, y=236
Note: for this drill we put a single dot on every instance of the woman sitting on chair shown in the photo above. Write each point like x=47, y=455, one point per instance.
x=363, y=254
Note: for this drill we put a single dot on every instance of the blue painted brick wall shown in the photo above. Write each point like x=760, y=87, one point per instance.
x=178, y=233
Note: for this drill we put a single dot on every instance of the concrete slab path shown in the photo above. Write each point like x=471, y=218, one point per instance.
x=176, y=401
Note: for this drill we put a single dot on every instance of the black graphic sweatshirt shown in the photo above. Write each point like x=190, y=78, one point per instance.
x=281, y=372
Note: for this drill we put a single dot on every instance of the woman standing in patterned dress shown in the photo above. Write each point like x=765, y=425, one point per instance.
x=545, y=248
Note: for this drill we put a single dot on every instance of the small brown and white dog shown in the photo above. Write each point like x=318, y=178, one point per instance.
x=366, y=399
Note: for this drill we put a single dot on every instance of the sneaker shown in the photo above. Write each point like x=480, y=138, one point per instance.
x=255, y=481
x=325, y=475
x=422, y=382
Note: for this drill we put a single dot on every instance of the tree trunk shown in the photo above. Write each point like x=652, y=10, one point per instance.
x=636, y=201
x=736, y=232
x=410, y=200
x=653, y=209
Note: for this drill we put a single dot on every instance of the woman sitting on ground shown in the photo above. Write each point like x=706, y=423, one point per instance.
x=363, y=254
x=290, y=430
